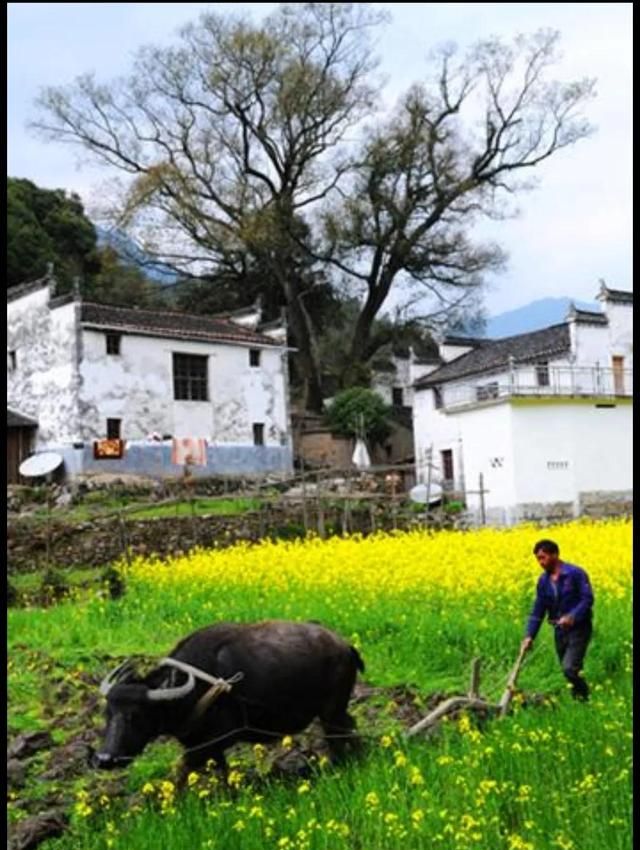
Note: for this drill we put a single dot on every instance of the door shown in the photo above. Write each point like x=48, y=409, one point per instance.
x=617, y=364
x=446, y=457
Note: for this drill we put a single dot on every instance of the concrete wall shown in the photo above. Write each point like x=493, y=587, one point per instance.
x=44, y=383
x=552, y=457
x=64, y=378
x=384, y=382
x=154, y=460
x=136, y=386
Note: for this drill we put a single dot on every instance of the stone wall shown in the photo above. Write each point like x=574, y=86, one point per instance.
x=101, y=542
x=606, y=503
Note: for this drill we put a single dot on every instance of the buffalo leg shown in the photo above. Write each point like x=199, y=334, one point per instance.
x=196, y=760
x=340, y=731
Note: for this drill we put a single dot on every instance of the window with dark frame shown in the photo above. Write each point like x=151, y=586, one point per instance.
x=113, y=429
x=437, y=397
x=258, y=433
x=487, y=391
x=447, y=464
x=190, y=377
x=542, y=374
x=397, y=397
x=113, y=343
x=254, y=357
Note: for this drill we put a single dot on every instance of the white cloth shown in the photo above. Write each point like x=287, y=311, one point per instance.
x=191, y=450
x=360, y=455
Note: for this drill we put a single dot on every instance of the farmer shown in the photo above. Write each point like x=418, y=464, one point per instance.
x=564, y=594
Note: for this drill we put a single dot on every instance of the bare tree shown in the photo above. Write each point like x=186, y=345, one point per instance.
x=234, y=144
x=227, y=138
x=425, y=177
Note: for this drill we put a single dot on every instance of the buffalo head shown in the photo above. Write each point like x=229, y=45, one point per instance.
x=134, y=713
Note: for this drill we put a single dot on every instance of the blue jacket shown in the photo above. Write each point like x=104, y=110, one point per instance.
x=571, y=594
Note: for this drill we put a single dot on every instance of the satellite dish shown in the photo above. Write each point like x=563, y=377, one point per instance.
x=418, y=493
x=40, y=464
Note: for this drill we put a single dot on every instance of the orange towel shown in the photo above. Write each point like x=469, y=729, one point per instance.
x=191, y=450
x=103, y=449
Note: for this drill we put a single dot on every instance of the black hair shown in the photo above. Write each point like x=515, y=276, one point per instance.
x=548, y=546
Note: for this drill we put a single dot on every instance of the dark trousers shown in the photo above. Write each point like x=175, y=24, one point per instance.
x=571, y=646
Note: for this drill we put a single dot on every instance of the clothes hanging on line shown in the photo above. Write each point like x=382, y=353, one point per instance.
x=189, y=450
x=108, y=449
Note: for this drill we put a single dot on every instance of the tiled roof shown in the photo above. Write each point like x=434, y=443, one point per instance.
x=587, y=317
x=17, y=420
x=170, y=324
x=15, y=292
x=471, y=342
x=494, y=355
x=618, y=296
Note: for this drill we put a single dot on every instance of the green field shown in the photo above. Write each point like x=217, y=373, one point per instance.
x=553, y=774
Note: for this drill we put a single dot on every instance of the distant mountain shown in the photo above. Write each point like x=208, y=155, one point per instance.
x=534, y=316
x=131, y=253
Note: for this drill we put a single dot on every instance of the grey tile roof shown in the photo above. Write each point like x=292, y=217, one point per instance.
x=494, y=355
x=18, y=420
x=174, y=325
x=15, y=292
x=472, y=342
x=618, y=296
x=587, y=317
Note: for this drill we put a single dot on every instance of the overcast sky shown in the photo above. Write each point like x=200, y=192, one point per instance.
x=574, y=229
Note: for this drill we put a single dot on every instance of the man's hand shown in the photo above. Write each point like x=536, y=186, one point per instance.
x=526, y=644
x=566, y=621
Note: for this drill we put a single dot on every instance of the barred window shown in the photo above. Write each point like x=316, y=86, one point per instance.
x=190, y=377
x=113, y=343
x=542, y=374
x=258, y=433
x=254, y=357
x=113, y=429
x=487, y=391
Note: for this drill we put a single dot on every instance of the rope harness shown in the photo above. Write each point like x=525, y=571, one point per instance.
x=218, y=687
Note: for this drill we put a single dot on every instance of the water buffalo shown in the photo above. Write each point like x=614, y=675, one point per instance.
x=233, y=682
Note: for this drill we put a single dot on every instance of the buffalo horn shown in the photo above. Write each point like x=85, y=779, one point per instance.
x=115, y=676
x=165, y=694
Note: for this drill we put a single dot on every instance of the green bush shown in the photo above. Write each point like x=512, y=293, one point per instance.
x=359, y=412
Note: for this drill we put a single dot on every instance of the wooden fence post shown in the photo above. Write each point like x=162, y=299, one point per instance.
x=305, y=516
x=124, y=542
x=321, y=528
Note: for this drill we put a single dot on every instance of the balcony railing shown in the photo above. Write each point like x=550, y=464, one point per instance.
x=541, y=380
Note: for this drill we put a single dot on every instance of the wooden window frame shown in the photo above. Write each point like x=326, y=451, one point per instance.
x=258, y=433
x=114, y=342
x=114, y=429
x=190, y=377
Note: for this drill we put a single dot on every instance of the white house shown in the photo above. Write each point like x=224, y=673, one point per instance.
x=87, y=372
x=542, y=419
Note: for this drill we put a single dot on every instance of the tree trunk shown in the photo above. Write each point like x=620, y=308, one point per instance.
x=306, y=361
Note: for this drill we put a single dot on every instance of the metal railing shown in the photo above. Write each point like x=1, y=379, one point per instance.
x=540, y=380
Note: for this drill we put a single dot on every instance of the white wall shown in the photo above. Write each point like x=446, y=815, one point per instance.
x=384, y=382
x=568, y=447
x=487, y=448
x=543, y=442
x=137, y=387
x=621, y=331
x=44, y=382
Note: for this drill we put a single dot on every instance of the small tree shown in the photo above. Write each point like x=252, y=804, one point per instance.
x=360, y=412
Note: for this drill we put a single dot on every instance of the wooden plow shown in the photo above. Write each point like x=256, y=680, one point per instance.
x=472, y=700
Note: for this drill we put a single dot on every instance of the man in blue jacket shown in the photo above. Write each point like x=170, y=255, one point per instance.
x=563, y=594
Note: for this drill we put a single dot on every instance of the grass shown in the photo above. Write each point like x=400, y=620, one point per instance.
x=554, y=774
x=94, y=509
